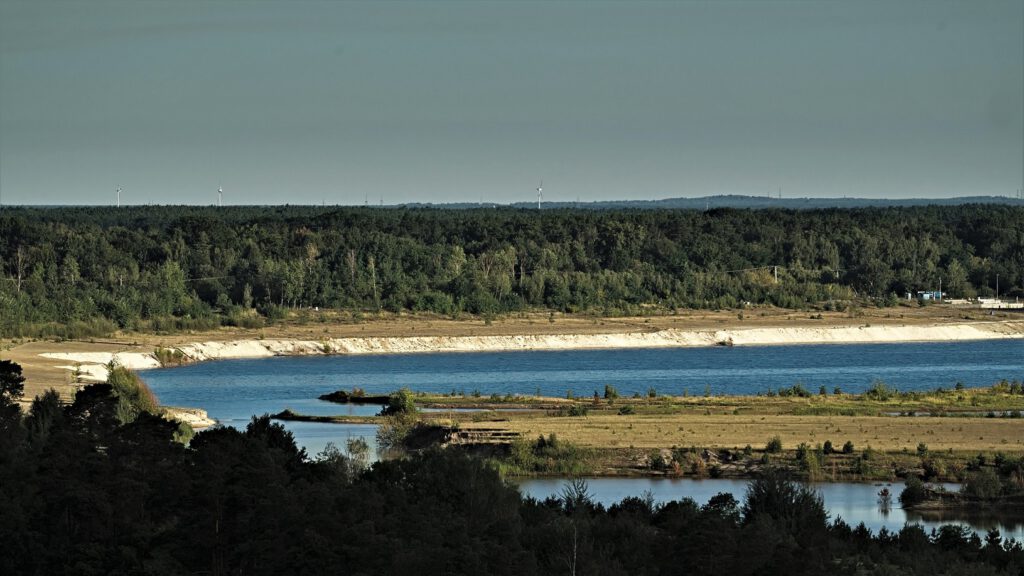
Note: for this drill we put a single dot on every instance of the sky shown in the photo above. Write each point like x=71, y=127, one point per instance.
x=346, y=102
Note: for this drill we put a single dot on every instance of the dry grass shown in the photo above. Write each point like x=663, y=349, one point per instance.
x=737, y=431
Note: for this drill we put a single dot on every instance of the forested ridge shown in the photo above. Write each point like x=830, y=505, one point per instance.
x=172, y=267
x=89, y=488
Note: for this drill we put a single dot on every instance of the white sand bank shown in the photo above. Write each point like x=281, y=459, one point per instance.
x=658, y=339
x=92, y=366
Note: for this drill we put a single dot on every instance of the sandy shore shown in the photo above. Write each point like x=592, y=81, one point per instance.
x=66, y=366
x=92, y=366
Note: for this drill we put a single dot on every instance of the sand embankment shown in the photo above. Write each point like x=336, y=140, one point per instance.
x=93, y=366
x=671, y=338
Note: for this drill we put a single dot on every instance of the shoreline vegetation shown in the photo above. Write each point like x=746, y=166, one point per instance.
x=825, y=436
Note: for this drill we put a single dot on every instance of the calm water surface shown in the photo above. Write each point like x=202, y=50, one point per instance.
x=854, y=503
x=232, y=391
x=717, y=370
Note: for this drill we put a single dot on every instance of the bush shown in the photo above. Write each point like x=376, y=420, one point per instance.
x=933, y=469
x=400, y=403
x=827, y=447
x=167, y=356
x=544, y=456
x=801, y=451
x=880, y=391
x=983, y=484
x=848, y=447
x=626, y=410
x=133, y=396
x=578, y=410
x=774, y=445
x=791, y=506
x=393, y=431
x=610, y=393
x=797, y=390
x=914, y=492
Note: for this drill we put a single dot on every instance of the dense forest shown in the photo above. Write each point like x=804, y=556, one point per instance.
x=174, y=267
x=94, y=488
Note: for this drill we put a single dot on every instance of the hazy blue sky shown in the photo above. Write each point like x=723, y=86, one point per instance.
x=435, y=102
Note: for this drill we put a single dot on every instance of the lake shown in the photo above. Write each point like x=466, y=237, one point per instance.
x=232, y=391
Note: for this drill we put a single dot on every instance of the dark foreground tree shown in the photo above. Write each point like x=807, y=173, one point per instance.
x=86, y=494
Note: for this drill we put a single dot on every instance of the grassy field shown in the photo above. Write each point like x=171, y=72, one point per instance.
x=738, y=431
x=871, y=419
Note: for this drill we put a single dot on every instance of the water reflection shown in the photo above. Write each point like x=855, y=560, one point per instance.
x=854, y=503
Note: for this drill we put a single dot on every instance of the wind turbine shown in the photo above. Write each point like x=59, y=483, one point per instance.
x=220, y=196
x=118, y=196
x=540, y=194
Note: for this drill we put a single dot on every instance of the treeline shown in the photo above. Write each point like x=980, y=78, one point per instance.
x=81, y=493
x=161, y=268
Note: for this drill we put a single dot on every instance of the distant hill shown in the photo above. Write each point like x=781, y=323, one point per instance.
x=737, y=201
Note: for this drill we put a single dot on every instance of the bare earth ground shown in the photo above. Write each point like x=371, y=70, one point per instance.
x=42, y=373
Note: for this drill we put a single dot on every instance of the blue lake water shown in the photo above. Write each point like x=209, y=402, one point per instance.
x=232, y=391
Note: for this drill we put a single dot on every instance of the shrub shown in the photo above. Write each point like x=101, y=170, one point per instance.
x=914, y=492
x=880, y=391
x=133, y=396
x=626, y=410
x=774, y=445
x=827, y=447
x=983, y=484
x=578, y=410
x=392, y=433
x=797, y=390
x=545, y=456
x=848, y=447
x=791, y=506
x=610, y=393
x=400, y=403
x=167, y=356
x=933, y=469
x=801, y=451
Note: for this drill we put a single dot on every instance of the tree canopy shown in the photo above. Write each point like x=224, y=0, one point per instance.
x=98, y=269
x=82, y=492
